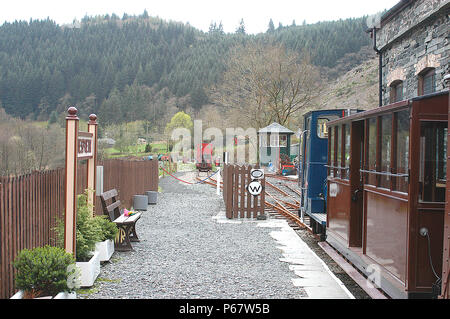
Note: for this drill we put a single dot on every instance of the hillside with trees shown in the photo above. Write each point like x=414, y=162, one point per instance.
x=141, y=67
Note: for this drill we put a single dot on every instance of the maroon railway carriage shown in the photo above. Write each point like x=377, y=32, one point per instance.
x=386, y=192
x=445, y=290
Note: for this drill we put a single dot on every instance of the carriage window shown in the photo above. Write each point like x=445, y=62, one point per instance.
x=372, y=150
x=339, y=150
x=322, y=131
x=345, y=173
x=432, y=174
x=386, y=134
x=402, y=136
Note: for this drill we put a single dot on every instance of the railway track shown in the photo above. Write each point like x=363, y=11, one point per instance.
x=279, y=203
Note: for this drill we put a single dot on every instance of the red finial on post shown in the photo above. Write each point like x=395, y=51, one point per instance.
x=92, y=119
x=72, y=113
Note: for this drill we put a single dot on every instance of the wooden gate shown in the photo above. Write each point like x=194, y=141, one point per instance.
x=239, y=202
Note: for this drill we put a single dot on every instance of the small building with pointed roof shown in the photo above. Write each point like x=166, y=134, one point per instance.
x=274, y=140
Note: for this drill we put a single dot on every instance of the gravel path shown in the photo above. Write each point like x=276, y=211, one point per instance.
x=186, y=253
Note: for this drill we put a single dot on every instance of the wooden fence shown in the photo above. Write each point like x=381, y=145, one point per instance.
x=31, y=204
x=239, y=203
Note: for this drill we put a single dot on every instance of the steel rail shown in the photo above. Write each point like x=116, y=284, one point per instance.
x=276, y=188
x=293, y=190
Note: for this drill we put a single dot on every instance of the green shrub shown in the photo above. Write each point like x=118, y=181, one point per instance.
x=108, y=229
x=43, y=271
x=88, y=230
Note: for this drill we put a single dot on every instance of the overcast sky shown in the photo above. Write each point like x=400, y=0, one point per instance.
x=199, y=13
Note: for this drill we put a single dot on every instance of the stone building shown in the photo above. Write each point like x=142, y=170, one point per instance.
x=413, y=39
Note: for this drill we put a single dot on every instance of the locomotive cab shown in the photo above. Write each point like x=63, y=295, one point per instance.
x=312, y=172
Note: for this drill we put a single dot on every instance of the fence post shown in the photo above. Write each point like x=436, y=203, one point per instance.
x=218, y=182
x=71, y=180
x=229, y=196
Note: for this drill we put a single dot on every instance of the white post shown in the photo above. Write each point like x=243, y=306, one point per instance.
x=92, y=162
x=218, y=182
x=71, y=181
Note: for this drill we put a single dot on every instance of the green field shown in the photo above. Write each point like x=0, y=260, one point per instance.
x=137, y=150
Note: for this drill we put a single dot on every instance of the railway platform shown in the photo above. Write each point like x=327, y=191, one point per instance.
x=189, y=249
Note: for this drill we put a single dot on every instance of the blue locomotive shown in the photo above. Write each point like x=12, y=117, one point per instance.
x=312, y=166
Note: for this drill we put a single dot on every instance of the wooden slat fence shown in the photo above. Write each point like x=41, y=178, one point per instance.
x=129, y=178
x=30, y=205
x=239, y=203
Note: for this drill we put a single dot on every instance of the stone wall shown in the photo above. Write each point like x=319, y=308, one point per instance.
x=415, y=38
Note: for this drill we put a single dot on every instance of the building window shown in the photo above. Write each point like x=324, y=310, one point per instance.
x=283, y=140
x=427, y=81
x=274, y=140
x=263, y=140
x=396, y=91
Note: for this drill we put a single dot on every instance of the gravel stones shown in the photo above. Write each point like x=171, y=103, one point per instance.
x=185, y=253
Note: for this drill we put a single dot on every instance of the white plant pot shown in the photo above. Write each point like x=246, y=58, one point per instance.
x=66, y=295
x=105, y=249
x=89, y=270
x=18, y=295
x=61, y=295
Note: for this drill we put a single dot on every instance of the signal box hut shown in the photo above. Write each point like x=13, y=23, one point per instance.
x=386, y=192
x=274, y=140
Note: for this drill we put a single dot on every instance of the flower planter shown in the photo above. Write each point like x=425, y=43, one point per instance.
x=66, y=295
x=152, y=197
x=105, y=249
x=61, y=295
x=140, y=202
x=89, y=270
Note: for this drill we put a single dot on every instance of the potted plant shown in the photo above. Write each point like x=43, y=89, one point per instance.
x=108, y=232
x=87, y=234
x=45, y=272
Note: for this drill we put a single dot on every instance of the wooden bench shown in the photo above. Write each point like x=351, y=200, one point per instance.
x=126, y=224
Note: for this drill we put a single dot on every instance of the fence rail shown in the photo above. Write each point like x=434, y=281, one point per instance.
x=238, y=202
x=31, y=204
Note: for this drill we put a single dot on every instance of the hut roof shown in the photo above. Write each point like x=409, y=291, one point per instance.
x=275, y=128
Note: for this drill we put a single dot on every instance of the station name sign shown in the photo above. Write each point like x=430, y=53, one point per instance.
x=85, y=148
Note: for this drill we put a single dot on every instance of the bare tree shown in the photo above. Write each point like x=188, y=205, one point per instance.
x=266, y=83
x=25, y=147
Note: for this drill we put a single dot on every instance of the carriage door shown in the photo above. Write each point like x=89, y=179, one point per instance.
x=356, y=183
x=431, y=200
